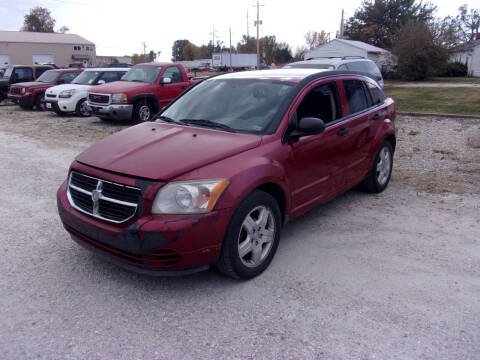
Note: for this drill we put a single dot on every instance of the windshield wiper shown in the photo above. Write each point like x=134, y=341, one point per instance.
x=208, y=123
x=166, y=119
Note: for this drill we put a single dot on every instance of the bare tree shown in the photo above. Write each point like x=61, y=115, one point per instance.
x=63, y=29
x=314, y=39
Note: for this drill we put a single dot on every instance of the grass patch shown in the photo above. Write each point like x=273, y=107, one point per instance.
x=442, y=80
x=461, y=101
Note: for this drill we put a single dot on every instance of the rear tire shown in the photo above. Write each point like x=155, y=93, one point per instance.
x=142, y=111
x=381, y=171
x=252, y=237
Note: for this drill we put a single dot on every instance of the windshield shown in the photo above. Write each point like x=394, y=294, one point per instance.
x=148, y=74
x=8, y=72
x=48, y=77
x=87, y=78
x=247, y=105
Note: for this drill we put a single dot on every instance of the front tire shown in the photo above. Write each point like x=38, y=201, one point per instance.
x=82, y=109
x=39, y=102
x=252, y=237
x=142, y=111
x=381, y=170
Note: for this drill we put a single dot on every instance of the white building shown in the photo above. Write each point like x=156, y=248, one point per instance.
x=384, y=59
x=469, y=54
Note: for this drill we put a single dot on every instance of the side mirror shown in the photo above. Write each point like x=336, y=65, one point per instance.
x=166, y=80
x=307, y=126
x=101, y=82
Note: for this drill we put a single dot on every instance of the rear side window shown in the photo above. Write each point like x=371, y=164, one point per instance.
x=40, y=70
x=356, y=95
x=377, y=93
x=322, y=102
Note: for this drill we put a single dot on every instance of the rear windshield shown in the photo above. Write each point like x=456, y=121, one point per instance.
x=48, y=77
x=147, y=74
x=87, y=78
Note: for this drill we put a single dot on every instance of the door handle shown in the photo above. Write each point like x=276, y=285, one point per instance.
x=376, y=117
x=343, y=131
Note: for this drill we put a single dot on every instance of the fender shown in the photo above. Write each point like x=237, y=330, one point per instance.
x=149, y=96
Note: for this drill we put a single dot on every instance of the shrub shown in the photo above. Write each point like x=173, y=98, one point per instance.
x=455, y=69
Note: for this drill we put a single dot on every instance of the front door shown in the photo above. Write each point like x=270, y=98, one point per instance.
x=170, y=91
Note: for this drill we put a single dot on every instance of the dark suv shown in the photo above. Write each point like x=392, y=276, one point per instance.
x=20, y=73
x=213, y=180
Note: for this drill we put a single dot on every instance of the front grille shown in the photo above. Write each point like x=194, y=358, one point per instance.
x=51, y=95
x=98, y=98
x=102, y=199
x=15, y=90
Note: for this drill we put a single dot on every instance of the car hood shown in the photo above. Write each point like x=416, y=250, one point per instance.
x=32, y=84
x=59, y=88
x=163, y=151
x=119, y=86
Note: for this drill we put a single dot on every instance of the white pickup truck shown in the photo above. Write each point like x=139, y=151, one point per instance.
x=72, y=97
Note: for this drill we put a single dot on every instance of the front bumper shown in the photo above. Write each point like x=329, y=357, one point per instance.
x=149, y=244
x=22, y=100
x=113, y=111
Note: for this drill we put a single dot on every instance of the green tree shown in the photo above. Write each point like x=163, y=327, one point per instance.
x=177, y=49
x=420, y=54
x=191, y=52
x=283, y=53
x=379, y=22
x=152, y=55
x=39, y=20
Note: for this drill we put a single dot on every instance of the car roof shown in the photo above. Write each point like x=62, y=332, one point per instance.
x=155, y=64
x=107, y=69
x=291, y=75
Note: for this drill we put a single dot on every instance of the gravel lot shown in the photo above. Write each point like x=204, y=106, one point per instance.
x=389, y=276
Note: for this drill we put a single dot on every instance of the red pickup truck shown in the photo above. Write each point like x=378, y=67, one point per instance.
x=30, y=94
x=142, y=92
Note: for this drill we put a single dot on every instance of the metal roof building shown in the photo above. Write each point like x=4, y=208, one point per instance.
x=22, y=47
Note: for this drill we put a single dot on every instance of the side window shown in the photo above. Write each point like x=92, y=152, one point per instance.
x=356, y=95
x=40, y=70
x=378, y=96
x=173, y=73
x=322, y=102
x=23, y=74
x=109, y=76
x=68, y=77
x=342, y=67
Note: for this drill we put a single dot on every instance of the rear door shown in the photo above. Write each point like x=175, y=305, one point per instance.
x=357, y=130
x=168, y=92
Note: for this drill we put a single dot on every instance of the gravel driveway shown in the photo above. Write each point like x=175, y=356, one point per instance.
x=388, y=276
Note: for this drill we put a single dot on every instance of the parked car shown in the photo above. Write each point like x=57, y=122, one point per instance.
x=72, y=97
x=76, y=65
x=342, y=63
x=225, y=166
x=144, y=91
x=30, y=94
x=20, y=73
x=116, y=65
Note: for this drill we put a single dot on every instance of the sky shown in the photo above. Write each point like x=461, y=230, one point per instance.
x=119, y=27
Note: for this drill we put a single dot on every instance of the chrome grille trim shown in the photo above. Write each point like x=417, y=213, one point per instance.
x=97, y=196
x=90, y=95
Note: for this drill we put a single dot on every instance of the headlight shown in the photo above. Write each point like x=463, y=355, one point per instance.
x=65, y=94
x=23, y=90
x=187, y=197
x=119, y=99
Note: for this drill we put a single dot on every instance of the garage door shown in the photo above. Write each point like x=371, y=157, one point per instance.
x=43, y=59
x=4, y=60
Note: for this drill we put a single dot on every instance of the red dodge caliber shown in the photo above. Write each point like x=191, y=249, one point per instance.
x=220, y=170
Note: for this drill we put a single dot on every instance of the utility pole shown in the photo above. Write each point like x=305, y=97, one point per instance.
x=230, y=30
x=258, y=22
x=213, y=41
x=342, y=25
x=144, y=51
x=248, y=26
